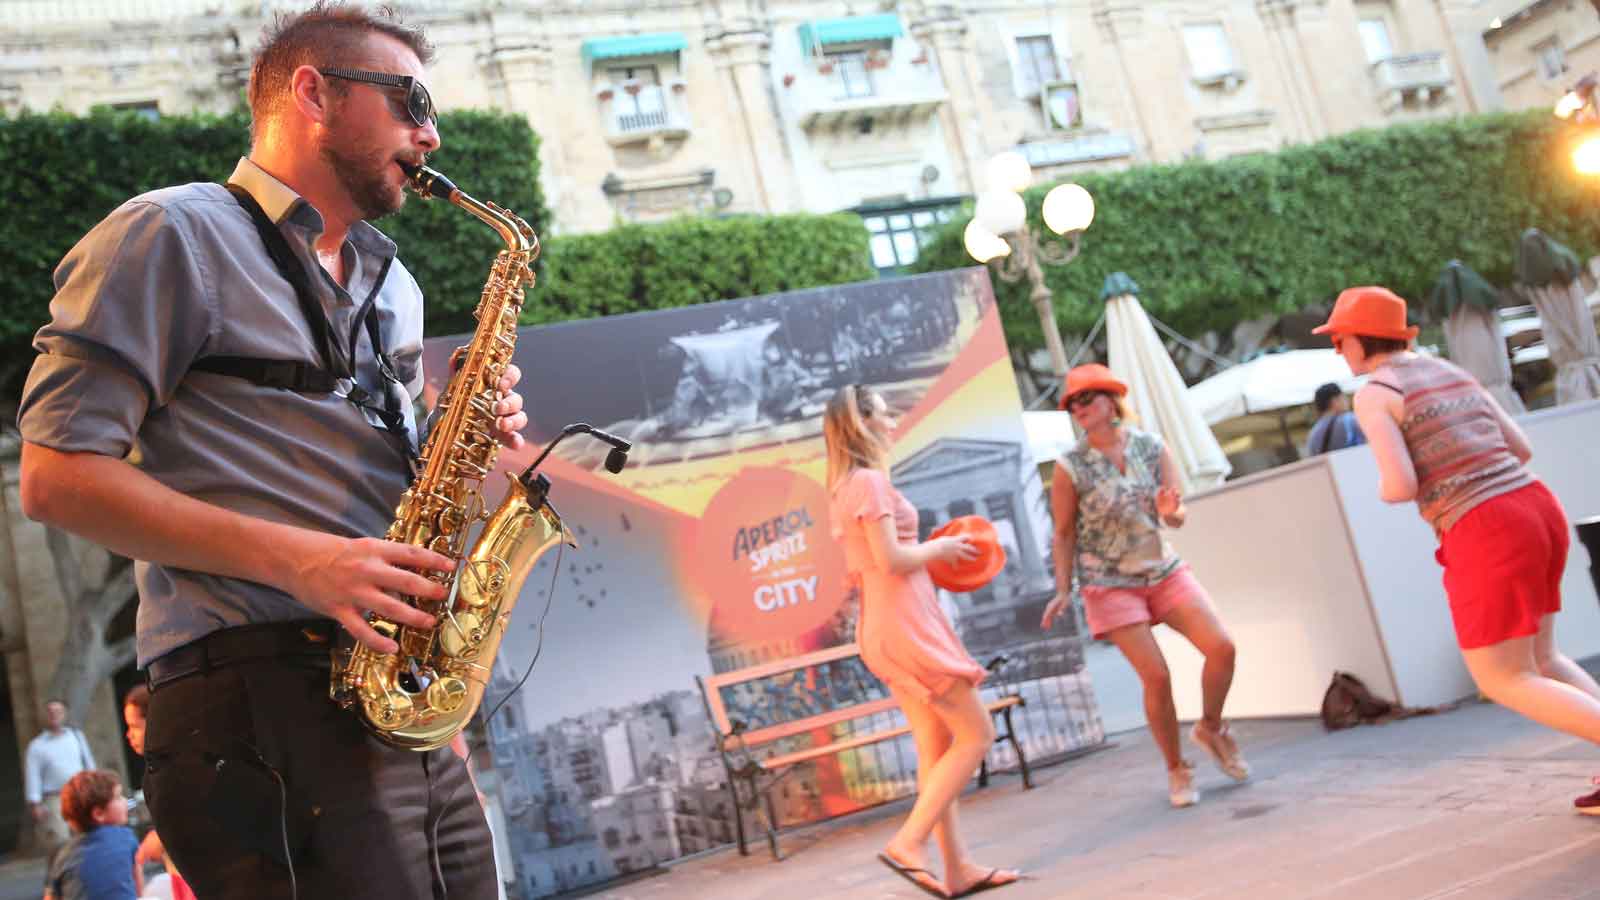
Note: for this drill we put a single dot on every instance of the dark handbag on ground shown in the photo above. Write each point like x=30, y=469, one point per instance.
x=1349, y=703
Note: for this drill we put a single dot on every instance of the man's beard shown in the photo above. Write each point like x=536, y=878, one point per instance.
x=364, y=176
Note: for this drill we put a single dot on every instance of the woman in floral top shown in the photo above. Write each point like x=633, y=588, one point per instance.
x=1110, y=496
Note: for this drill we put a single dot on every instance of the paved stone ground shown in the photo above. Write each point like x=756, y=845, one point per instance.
x=1474, y=803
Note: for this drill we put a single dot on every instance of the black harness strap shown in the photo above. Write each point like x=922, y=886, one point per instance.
x=288, y=374
x=310, y=378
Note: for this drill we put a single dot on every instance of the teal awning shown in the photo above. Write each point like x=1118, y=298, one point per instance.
x=822, y=32
x=633, y=45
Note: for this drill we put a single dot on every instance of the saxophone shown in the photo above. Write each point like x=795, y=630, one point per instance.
x=420, y=697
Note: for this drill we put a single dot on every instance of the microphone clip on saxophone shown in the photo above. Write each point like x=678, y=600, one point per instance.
x=615, y=459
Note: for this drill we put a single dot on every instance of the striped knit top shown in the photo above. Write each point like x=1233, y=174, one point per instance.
x=1457, y=448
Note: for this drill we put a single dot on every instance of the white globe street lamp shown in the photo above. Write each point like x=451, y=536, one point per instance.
x=1068, y=208
x=1009, y=171
x=983, y=244
x=1000, y=212
x=999, y=234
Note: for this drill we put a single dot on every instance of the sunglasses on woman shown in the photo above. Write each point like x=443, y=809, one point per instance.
x=419, y=104
x=1083, y=399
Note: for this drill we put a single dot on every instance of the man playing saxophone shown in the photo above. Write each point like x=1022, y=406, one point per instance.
x=259, y=348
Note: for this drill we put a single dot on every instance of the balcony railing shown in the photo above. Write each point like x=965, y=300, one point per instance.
x=896, y=88
x=650, y=112
x=1423, y=77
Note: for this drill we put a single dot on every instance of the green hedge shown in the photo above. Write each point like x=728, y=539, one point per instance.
x=61, y=174
x=1214, y=243
x=634, y=268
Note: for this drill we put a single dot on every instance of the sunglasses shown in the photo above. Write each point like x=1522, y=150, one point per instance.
x=419, y=104
x=1083, y=399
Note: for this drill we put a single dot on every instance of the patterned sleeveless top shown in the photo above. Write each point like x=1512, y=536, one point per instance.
x=1119, y=534
x=1459, y=453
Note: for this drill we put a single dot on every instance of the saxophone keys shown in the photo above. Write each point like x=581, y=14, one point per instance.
x=390, y=710
x=447, y=694
x=483, y=581
x=460, y=633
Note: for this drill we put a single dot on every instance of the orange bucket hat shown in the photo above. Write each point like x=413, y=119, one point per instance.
x=1371, y=312
x=1091, y=377
x=961, y=577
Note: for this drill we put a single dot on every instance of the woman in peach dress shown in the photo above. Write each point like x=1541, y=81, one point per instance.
x=907, y=641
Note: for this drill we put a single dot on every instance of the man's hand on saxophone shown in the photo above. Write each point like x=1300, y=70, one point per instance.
x=345, y=579
x=508, y=428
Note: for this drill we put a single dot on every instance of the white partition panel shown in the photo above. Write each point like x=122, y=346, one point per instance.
x=1273, y=553
x=1405, y=585
x=1311, y=573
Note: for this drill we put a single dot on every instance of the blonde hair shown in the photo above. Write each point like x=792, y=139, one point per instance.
x=851, y=445
x=1124, y=412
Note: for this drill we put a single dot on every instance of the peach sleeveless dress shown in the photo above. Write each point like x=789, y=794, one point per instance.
x=905, y=638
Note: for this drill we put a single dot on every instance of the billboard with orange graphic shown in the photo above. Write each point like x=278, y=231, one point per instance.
x=711, y=553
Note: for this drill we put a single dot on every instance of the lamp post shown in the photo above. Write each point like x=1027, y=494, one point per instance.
x=999, y=234
x=1579, y=106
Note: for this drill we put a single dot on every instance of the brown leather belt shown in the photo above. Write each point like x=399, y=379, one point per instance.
x=300, y=640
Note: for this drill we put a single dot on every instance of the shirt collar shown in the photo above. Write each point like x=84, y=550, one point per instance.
x=280, y=203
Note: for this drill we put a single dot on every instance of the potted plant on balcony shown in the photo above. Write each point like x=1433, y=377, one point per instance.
x=825, y=66
x=605, y=92
x=632, y=86
x=877, y=59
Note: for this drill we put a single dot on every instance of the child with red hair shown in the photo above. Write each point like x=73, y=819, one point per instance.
x=98, y=863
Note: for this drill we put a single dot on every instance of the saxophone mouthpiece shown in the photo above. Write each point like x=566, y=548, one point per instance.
x=427, y=182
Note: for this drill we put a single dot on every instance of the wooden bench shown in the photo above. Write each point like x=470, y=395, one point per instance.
x=806, y=693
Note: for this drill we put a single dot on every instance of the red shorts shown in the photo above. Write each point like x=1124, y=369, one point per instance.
x=1110, y=608
x=1503, y=562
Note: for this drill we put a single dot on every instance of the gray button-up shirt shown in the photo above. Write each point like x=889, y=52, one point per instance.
x=181, y=273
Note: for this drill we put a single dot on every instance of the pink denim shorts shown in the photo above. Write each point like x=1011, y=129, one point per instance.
x=1110, y=608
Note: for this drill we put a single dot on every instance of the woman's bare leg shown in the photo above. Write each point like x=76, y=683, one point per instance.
x=958, y=723
x=1552, y=663
x=1139, y=646
x=1200, y=625
x=1508, y=674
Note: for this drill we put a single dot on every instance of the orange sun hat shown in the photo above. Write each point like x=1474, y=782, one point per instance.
x=1370, y=311
x=1091, y=377
x=961, y=577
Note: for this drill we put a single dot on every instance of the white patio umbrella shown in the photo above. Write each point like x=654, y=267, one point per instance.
x=1050, y=433
x=1548, y=273
x=1155, y=390
x=1270, y=382
x=1468, y=305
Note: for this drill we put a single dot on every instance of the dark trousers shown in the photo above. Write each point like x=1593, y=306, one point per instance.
x=252, y=774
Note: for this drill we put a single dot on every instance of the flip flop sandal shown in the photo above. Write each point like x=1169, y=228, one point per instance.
x=910, y=874
x=988, y=883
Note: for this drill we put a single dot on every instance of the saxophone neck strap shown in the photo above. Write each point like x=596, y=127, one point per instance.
x=335, y=365
x=294, y=272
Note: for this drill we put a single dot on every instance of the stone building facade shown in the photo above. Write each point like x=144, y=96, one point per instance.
x=1536, y=50
x=660, y=108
